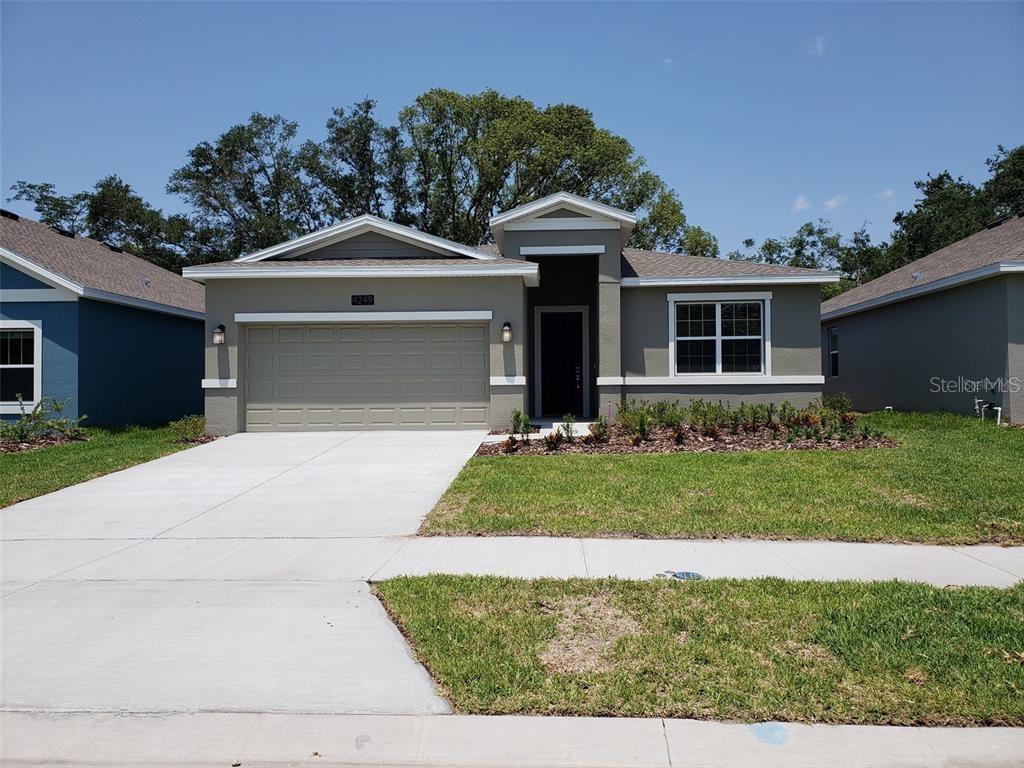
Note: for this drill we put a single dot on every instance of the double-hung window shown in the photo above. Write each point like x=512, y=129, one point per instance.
x=19, y=363
x=720, y=336
x=833, y=351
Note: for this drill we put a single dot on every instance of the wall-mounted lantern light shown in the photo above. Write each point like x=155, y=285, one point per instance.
x=506, y=332
x=218, y=334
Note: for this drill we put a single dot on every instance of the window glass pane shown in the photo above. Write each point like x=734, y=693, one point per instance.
x=16, y=347
x=695, y=320
x=695, y=356
x=15, y=381
x=833, y=367
x=741, y=319
x=741, y=356
x=833, y=340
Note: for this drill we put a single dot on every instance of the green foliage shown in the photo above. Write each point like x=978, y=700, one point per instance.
x=519, y=424
x=600, y=430
x=45, y=419
x=567, y=427
x=838, y=401
x=188, y=429
x=635, y=419
x=553, y=439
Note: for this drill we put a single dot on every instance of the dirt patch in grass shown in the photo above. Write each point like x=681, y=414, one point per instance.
x=588, y=627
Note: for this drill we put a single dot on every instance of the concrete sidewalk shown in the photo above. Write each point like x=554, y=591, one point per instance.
x=223, y=739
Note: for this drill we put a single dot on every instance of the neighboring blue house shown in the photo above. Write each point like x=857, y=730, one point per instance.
x=116, y=337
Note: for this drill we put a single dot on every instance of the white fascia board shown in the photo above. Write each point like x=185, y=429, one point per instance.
x=529, y=272
x=563, y=200
x=131, y=301
x=220, y=383
x=359, y=225
x=41, y=273
x=364, y=317
x=992, y=270
x=559, y=250
x=713, y=380
x=508, y=381
x=549, y=225
x=669, y=282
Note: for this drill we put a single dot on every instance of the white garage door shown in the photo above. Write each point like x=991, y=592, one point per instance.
x=364, y=376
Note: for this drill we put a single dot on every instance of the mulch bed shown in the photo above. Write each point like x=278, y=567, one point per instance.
x=201, y=440
x=8, y=446
x=663, y=440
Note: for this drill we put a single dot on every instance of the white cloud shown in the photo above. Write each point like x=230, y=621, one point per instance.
x=801, y=203
x=834, y=202
x=816, y=47
x=668, y=62
x=887, y=196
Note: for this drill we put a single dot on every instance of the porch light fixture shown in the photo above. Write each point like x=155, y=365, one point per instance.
x=506, y=332
x=218, y=334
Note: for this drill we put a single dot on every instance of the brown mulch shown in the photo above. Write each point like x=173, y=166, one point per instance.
x=9, y=446
x=663, y=440
x=201, y=440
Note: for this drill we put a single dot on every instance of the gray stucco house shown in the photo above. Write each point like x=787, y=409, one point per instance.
x=936, y=334
x=368, y=324
x=116, y=337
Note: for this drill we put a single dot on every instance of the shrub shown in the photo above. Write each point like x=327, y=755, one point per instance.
x=510, y=444
x=666, y=413
x=553, y=439
x=188, y=429
x=599, y=430
x=567, y=427
x=46, y=419
x=838, y=401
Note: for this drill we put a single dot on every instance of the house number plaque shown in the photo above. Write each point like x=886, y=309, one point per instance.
x=362, y=299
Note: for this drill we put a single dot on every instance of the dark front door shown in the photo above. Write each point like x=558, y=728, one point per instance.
x=561, y=363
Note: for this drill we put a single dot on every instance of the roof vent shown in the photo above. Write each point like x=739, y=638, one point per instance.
x=8, y=214
x=917, y=276
x=114, y=248
x=145, y=281
x=65, y=232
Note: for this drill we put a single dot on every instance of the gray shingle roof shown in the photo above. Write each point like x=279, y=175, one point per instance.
x=91, y=264
x=1002, y=243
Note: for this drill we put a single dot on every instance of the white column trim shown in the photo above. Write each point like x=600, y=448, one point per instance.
x=220, y=383
x=508, y=381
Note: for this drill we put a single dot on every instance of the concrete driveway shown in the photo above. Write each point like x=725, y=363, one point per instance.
x=229, y=577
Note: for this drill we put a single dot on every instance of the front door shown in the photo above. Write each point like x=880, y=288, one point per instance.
x=561, y=363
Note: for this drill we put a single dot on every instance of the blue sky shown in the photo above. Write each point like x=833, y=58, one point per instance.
x=761, y=116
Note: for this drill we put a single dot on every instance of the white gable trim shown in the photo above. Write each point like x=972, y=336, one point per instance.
x=40, y=273
x=528, y=272
x=564, y=200
x=952, y=281
x=358, y=226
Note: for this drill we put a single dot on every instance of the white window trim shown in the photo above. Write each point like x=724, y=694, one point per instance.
x=828, y=340
x=37, y=362
x=584, y=311
x=707, y=298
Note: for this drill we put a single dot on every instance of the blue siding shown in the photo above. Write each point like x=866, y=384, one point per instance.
x=11, y=278
x=138, y=367
x=59, y=321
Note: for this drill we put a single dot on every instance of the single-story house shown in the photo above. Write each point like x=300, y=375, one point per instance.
x=117, y=338
x=937, y=334
x=369, y=324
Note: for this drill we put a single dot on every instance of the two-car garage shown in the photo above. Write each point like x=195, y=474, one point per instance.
x=308, y=376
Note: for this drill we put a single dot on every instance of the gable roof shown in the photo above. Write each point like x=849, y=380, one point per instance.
x=90, y=269
x=563, y=200
x=640, y=268
x=358, y=226
x=993, y=251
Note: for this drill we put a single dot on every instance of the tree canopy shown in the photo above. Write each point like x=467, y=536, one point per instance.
x=449, y=163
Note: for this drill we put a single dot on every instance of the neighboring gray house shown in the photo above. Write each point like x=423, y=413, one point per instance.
x=936, y=334
x=368, y=324
x=116, y=337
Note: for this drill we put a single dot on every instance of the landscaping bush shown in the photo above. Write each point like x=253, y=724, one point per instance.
x=599, y=430
x=45, y=421
x=567, y=427
x=188, y=429
x=838, y=401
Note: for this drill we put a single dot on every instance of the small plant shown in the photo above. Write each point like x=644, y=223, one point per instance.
x=553, y=439
x=188, y=429
x=680, y=433
x=510, y=444
x=599, y=430
x=838, y=401
x=45, y=419
x=567, y=427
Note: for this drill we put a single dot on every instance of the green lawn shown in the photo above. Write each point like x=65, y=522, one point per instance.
x=765, y=649
x=951, y=480
x=33, y=473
